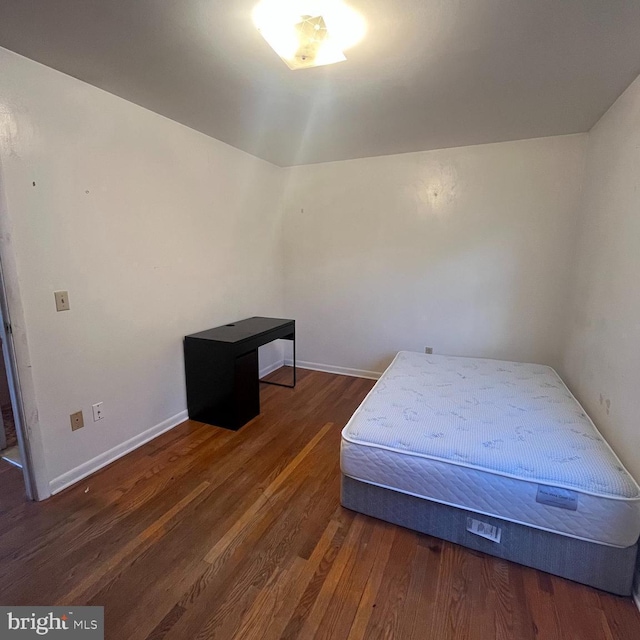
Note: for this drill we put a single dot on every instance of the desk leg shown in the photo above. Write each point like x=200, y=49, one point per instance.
x=280, y=384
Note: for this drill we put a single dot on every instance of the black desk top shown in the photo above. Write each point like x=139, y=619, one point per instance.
x=242, y=330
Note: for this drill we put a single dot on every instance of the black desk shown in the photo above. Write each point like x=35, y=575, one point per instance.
x=221, y=367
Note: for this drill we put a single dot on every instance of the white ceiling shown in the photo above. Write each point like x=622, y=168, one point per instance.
x=429, y=74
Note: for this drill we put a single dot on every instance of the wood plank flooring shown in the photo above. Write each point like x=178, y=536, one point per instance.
x=207, y=533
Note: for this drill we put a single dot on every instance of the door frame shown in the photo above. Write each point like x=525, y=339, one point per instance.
x=13, y=379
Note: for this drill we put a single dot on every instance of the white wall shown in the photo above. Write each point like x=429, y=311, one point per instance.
x=464, y=250
x=602, y=355
x=155, y=230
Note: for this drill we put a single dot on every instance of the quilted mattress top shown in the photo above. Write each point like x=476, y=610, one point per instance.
x=513, y=419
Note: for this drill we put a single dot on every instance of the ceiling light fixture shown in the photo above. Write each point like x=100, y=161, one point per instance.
x=309, y=33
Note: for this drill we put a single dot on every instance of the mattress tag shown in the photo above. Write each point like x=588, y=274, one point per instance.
x=484, y=530
x=556, y=497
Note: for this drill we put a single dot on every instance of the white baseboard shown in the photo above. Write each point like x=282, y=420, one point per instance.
x=91, y=466
x=265, y=371
x=636, y=594
x=329, y=368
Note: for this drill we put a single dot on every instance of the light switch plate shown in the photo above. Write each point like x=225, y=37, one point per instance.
x=62, y=300
x=77, y=421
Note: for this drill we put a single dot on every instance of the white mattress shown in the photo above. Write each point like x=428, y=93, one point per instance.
x=498, y=438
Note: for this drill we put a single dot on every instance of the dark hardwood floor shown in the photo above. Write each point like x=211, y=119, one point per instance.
x=207, y=533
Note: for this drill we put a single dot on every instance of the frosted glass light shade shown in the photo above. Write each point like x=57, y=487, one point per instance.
x=309, y=33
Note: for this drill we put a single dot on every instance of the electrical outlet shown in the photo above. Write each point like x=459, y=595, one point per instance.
x=77, y=421
x=98, y=412
x=428, y=349
x=62, y=300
